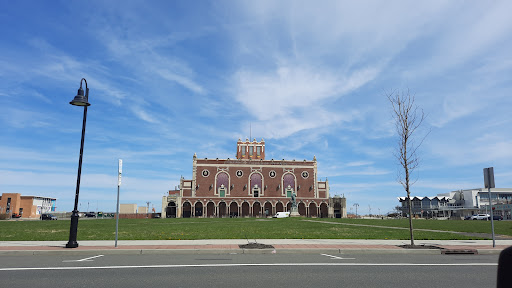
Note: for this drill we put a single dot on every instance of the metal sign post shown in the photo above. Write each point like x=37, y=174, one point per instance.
x=489, y=183
x=120, y=170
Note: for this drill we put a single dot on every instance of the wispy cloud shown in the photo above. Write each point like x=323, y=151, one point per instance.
x=182, y=80
x=140, y=113
x=19, y=118
x=359, y=163
x=299, y=97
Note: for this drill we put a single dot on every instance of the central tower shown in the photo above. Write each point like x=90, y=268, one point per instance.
x=250, y=150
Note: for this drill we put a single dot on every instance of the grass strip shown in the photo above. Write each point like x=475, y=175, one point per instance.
x=237, y=228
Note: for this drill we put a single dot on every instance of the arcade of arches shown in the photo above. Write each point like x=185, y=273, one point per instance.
x=251, y=186
x=223, y=209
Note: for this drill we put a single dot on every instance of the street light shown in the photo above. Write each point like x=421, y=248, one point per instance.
x=357, y=205
x=79, y=100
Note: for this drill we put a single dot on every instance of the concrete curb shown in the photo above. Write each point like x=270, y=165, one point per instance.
x=67, y=252
x=488, y=251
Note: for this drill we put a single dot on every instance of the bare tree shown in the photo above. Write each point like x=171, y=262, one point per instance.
x=408, y=118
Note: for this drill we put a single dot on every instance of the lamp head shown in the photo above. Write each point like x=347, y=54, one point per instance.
x=80, y=99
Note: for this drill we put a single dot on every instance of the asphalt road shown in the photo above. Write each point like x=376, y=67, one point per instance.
x=249, y=270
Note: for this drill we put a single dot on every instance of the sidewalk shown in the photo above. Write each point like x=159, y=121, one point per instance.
x=226, y=246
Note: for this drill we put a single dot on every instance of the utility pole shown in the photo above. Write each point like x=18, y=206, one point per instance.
x=356, y=205
x=119, y=172
x=147, y=211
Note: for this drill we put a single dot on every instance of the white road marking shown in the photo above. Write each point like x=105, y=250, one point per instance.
x=247, y=264
x=336, y=257
x=85, y=259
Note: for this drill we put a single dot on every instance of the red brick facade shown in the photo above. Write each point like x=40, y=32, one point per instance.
x=248, y=186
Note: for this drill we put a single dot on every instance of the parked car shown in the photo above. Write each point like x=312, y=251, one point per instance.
x=90, y=214
x=16, y=215
x=481, y=217
x=497, y=217
x=48, y=217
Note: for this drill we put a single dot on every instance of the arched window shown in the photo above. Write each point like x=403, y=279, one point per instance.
x=256, y=183
x=222, y=184
x=288, y=184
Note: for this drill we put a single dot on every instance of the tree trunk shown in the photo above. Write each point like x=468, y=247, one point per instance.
x=410, y=218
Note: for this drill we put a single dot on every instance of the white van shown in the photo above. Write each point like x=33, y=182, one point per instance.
x=282, y=215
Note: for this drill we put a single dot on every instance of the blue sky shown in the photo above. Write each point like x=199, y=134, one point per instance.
x=168, y=79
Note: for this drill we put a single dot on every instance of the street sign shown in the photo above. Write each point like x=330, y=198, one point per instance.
x=489, y=183
x=489, y=177
x=119, y=172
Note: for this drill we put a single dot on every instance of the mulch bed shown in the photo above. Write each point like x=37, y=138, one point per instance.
x=418, y=246
x=255, y=246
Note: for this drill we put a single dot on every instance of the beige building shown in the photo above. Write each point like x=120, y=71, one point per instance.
x=128, y=208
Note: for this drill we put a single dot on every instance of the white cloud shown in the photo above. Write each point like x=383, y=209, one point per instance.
x=88, y=181
x=20, y=119
x=296, y=97
x=487, y=149
x=180, y=79
x=140, y=113
x=478, y=28
x=359, y=163
x=353, y=171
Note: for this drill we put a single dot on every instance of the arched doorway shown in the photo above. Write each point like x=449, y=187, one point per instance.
x=312, y=210
x=324, y=212
x=267, y=209
x=302, y=209
x=256, y=209
x=170, y=211
x=233, y=209
x=245, y=209
x=210, y=209
x=279, y=207
x=337, y=210
x=198, y=209
x=187, y=210
x=289, y=207
x=222, y=209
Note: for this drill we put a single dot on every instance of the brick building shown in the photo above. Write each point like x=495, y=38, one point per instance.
x=248, y=186
x=26, y=206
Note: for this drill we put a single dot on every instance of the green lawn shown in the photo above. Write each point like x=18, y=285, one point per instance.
x=470, y=226
x=240, y=228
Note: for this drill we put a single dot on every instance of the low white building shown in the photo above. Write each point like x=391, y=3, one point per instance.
x=128, y=208
x=460, y=203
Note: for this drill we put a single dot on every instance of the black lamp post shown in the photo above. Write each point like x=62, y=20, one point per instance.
x=79, y=100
